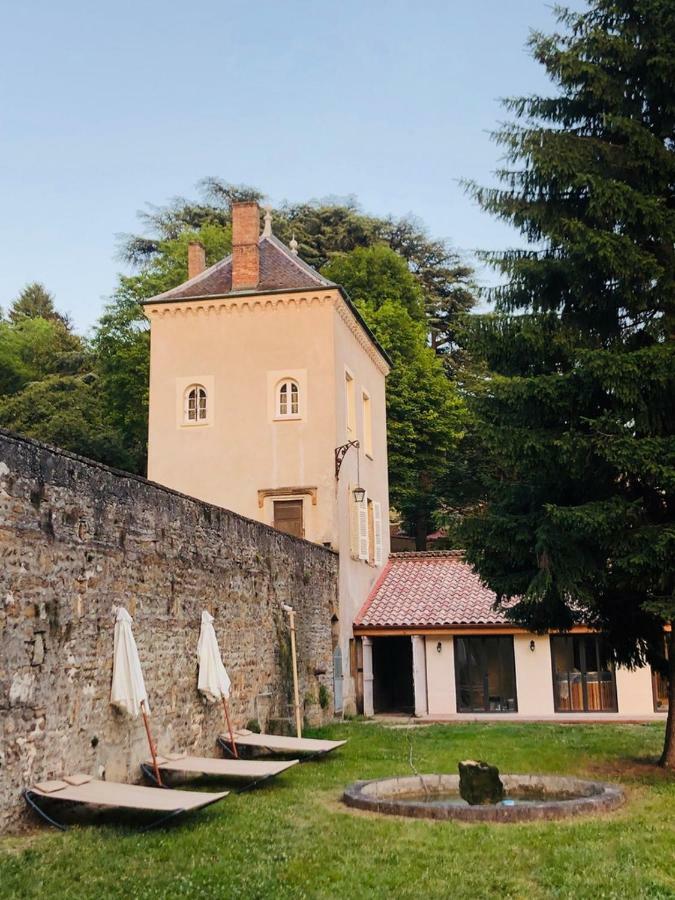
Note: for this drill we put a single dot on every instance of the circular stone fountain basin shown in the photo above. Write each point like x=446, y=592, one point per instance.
x=527, y=798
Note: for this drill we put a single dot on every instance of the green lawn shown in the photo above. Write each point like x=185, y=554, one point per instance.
x=293, y=838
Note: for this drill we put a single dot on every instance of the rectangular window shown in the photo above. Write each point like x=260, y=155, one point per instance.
x=583, y=674
x=350, y=402
x=367, y=426
x=288, y=517
x=485, y=674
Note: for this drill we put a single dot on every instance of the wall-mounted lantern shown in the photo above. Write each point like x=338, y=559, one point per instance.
x=439, y=647
x=532, y=646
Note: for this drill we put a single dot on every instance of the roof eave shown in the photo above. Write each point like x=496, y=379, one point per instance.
x=256, y=292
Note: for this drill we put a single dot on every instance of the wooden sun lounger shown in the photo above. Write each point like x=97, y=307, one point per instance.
x=251, y=771
x=92, y=792
x=275, y=743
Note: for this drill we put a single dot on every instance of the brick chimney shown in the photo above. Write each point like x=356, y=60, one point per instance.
x=196, y=259
x=245, y=253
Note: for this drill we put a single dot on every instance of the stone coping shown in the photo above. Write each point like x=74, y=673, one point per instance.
x=385, y=796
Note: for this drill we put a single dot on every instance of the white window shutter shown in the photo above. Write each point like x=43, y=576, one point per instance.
x=377, y=531
x=363, y=528
x=353, y=523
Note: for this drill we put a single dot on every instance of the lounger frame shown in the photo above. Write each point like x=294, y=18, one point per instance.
x=31, y=799
x=149, y=772
x=224, y=743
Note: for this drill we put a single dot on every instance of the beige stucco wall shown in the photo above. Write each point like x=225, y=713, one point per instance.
x=237, y=349
x=357, y=576
x=634, y=690
x=240, y=348
x=534, y=679
x=441, y=676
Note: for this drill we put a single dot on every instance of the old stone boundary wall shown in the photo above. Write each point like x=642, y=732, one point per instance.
x=78, y=539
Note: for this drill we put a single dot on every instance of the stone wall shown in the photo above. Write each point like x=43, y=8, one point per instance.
x=77, y=539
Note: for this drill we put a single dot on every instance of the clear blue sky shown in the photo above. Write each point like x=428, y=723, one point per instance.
x=107, y=106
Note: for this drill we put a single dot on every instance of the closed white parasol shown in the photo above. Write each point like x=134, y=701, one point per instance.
x=128, y=686
x=213, y=681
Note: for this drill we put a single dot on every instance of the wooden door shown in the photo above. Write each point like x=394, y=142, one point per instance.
x=288, y=517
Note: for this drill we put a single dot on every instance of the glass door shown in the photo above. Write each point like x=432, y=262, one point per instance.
x=583, y=674
x=485, y=674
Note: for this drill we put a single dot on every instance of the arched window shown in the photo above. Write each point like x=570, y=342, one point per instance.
x=195, y=404
x=288, y=399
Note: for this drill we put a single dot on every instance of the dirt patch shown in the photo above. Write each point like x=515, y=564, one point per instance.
x=635, y=768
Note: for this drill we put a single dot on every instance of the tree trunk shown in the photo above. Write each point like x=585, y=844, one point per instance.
x=668, y=756
x=421, y=531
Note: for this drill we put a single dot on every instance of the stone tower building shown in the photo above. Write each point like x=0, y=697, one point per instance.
x=267, y=397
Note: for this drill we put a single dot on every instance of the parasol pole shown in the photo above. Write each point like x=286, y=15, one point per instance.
x=153, y=749
x=294, y=655
x=226, y=710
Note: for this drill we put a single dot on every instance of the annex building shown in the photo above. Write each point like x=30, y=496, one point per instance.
x=435, y=646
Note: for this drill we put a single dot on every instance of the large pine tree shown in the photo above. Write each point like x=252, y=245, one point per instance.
x=577, y=401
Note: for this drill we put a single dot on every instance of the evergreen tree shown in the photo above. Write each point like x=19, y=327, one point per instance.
x=35, y=302
x=577, y=407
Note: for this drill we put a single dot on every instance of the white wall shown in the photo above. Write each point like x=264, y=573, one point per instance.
x=441, y=676
x=634, y=691
x=419, y=674
x=534, y=676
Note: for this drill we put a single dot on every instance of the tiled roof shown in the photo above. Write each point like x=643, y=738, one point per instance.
x=280, y=269
x=428, y=589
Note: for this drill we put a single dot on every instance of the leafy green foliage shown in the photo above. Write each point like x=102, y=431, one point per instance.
x=577, y=392
x=425, y=415
x=377, y=275
x=66, y=411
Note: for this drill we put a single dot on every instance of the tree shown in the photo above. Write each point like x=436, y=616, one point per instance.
x=425, y=415
x=377, y=275
x=65, y=410
x=35, y=302
x=121, y=345
x=576, y=405
x=322, y=229
x=34, y=348
x=446, y=282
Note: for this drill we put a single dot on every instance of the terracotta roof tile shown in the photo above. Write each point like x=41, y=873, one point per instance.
x=428, y=589
x=279, y=269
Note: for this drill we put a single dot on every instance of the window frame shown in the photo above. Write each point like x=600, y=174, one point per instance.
x=199, y=389
x=482, y=641
x=289, y=384
x=575, y=642
x=367, y=415
x=350, y=405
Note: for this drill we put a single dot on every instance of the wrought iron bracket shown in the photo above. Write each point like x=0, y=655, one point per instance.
x=341, y=452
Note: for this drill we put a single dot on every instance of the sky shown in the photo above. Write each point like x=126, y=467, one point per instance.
x=107, y=107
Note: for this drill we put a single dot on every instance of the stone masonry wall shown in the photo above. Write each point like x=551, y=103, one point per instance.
x=78, y=539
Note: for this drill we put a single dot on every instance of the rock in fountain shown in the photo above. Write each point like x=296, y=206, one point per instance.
x=479, y=783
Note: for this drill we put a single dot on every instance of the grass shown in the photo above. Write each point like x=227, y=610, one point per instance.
x=294, y=839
